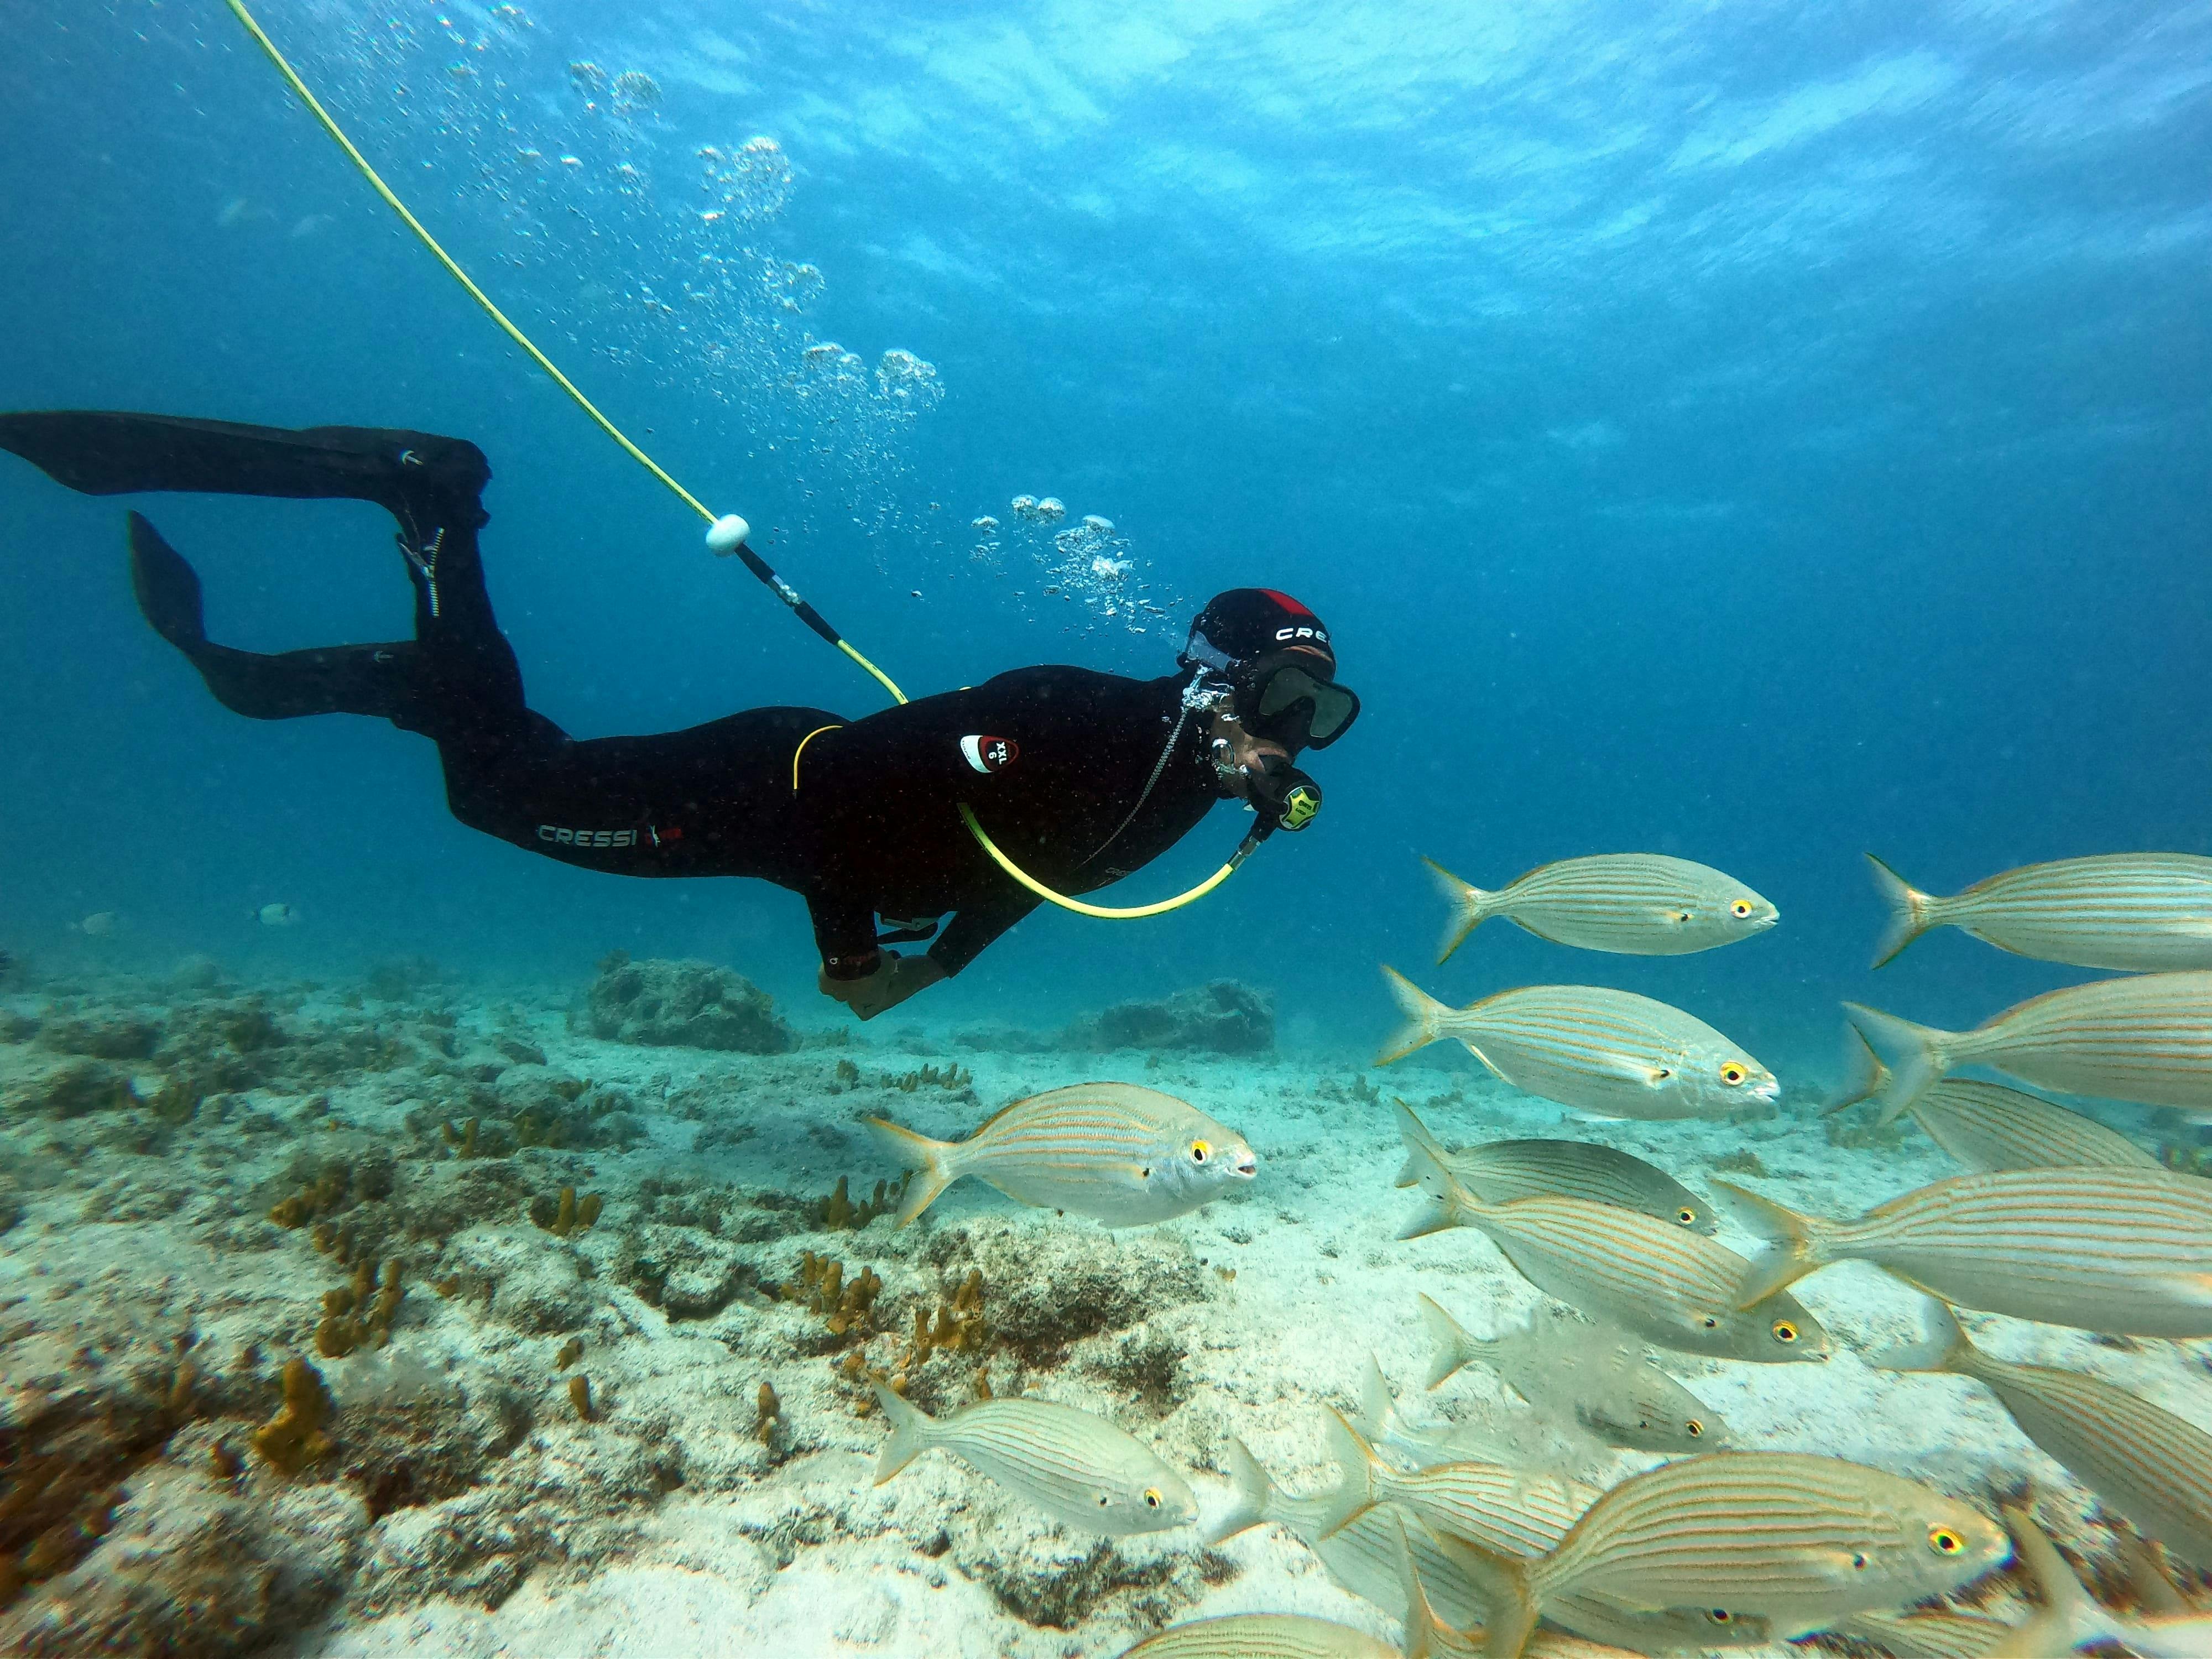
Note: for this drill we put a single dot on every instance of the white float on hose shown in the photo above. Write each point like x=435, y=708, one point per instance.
x=726, y=535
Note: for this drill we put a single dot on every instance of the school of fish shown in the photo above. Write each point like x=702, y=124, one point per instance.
x=2058, y=1219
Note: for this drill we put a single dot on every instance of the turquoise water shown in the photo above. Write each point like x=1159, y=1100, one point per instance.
x=1753, y=436
x=1741, y=433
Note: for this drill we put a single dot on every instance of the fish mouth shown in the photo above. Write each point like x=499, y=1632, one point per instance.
x=1245, y=1167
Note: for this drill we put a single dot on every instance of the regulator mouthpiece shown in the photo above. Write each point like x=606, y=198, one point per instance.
x=726, y=535
x=1281, y=792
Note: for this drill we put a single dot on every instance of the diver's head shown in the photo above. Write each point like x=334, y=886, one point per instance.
x=1269, y=660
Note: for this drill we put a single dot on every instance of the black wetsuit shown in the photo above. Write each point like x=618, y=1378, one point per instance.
x=859, y=817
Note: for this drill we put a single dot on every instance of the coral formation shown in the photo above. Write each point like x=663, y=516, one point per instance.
x=1741, y=1161
x=64, y=1461
x=960, y=1328
x=768, y=1413
x=690, y=1003
x=360, y=1314
x=565, y=1214
x=293, y=1437
x=930, y=1076
x=839, y=1213
x=1052, y=1287
x=1224, y=1018
x=819, y=1285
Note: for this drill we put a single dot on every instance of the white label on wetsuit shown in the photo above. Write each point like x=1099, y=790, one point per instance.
x=990, y=753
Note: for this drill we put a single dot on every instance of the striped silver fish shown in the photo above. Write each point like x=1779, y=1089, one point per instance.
x=1269, y=1636
x=1361, y=1553
x=1606, y=1378
x=1113, y=1151
x=1987, y=1127
x=1640, y=904
x=1536, y=1440
x=1930, y=1633
x=1362, y=1556
x=1499, y=1171
x=2146, y=1463
x=1669, y=1286
x=2126, y=1252
x=1510, y=1510
x=1292, y=1635
x=2148, y=1038
x=1076, y=1468
x=1610, y=1053
x=1801, y=1539
x=2138, y=912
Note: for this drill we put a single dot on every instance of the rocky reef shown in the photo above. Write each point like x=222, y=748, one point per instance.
x=1224, y=1017
x=325, y=1302
x=692, y=1005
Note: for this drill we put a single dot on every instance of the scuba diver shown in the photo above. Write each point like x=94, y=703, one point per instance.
x=1081, y=777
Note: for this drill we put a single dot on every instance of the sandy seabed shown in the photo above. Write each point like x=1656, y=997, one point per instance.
x=453, y=1500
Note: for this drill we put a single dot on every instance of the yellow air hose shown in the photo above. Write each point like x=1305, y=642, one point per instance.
x=721, y=543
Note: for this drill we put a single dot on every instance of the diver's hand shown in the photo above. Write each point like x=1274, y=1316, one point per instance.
x=895, y=979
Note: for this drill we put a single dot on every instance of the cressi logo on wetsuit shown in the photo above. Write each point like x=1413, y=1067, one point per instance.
x=562, y=837
x=987, y=753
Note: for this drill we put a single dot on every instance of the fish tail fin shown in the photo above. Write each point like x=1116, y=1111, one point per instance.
x=911, y=1426
x=924, y=1157
x=1794, y=1241
x=1911, y=912
x=2068, y=1617
x=1508, y=1588
x=1355, y=1493
x=1864, y=1075
x=1454, y=1347
x=1421, y=1638
x=1941, y=1344
x=1470, y=905
x=1916, y=1056
x=1436, y=1218
x=1378, y=1409
x=1255, y=1494
x=1448, y=1202
x=1423, y=1015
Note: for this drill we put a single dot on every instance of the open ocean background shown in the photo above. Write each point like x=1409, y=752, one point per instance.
x=1754, y=433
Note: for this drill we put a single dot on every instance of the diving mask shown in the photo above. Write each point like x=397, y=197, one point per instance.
x=1285, y=701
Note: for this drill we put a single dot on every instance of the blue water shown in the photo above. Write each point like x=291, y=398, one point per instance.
x=1759, y=433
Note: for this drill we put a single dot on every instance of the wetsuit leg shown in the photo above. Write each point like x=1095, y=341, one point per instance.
x=342, y=679
x=716, y=800
x=429, y=484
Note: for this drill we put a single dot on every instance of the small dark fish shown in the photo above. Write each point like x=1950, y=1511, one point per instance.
x=7, y=964
x=1499, y=1171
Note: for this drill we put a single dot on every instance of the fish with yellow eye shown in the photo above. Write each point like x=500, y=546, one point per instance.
x=1076, y=1468
x=1604, y=1052
x=1116, y=1152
